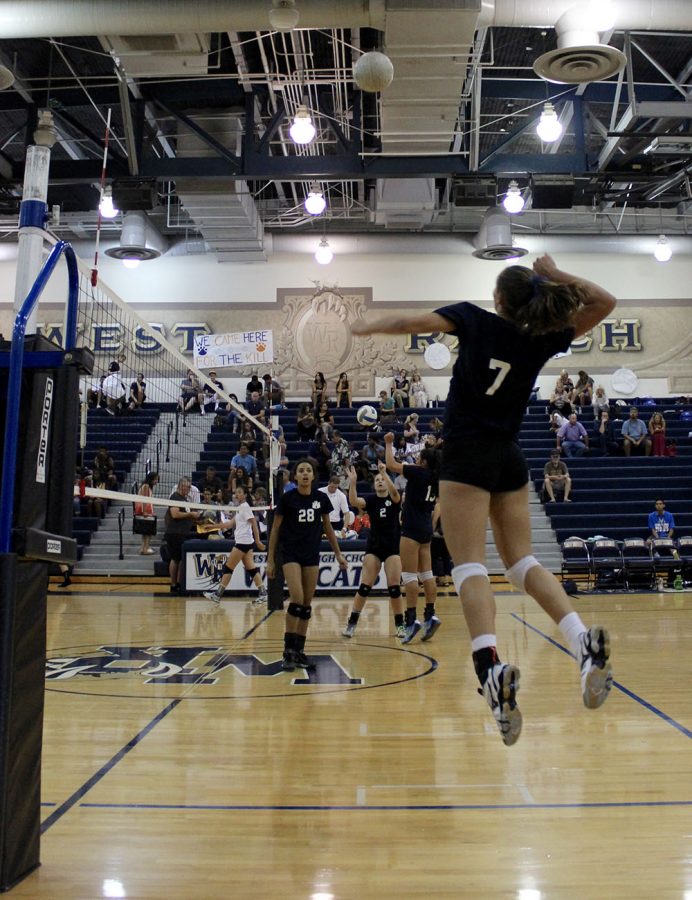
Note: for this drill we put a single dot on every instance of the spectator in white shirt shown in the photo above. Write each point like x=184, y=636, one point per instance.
x=340, y=516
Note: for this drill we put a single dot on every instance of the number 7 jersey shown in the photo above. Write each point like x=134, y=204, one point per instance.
x=495, y=371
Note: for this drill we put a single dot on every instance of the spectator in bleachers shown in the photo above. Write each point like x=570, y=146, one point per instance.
x=411, y=431
x=146, y=509
x=95, y=398
x=582, y=393
x=320, y=451
x=305, y=423
x=234, y=417
x=634, y=434
x=560, y=400
x=273, y=392
x=104, y=476
x=256, y=406
x=436, y=425
x=400, y=388
x=386, y=411
x=254, y=386
x=248, y=435
x=245, y=460
x=433, y=441
x=211, y=482
x=340, y=516
x=605, y=435
x=238, y=476
x=319, y=390
x=661, y=522
x=325, y=420
x=557, y=421
x=210, y=394
x=138, y=392
x=556, y=478
x=566, y=381
x=600, y=402
x=340, y=457
x=418, y=393
x=372, y=453
x=178, y=524
x=343, y=391
x=114, y=390
x=191, y=393
x=573, y=438
x=657, y=430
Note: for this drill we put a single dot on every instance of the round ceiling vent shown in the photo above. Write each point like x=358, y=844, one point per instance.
x=131, y=252
x=500, y=252
x=578, y=65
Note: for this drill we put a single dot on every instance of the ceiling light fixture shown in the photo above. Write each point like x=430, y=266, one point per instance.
x=106, y=208
x=513, y=201
x=315, y=203
x=130, y=262
x=302, y=130
x=662, y=249
x=283, y=16
x=549, y=129
x=323, y=254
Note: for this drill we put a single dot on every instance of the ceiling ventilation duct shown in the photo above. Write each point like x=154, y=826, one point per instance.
x=494, y=240
x=139, y=239
x=580, y=56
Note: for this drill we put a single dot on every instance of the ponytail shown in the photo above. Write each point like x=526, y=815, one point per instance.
x=432, y=458
x=536, y=305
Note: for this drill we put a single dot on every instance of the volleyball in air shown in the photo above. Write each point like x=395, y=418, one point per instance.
x=367, y=416
x=373, y=71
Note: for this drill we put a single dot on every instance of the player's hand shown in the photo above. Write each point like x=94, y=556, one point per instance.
x=352, y=475
x=389, y=437
x=271, y=569
x=381, y=468
x=545, y=266
x=341, y=559
x=260, y=546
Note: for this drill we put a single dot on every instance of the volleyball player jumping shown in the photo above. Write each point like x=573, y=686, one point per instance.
x=420, y=498
x=484, y=474
x=301, y=517
x=382, y=548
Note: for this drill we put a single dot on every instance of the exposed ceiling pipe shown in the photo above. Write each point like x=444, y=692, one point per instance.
x=75, y=18
x=632, y=15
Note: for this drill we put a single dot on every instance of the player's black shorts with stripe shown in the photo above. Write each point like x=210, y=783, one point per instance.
x=492, y=462
x=422, y=536
x=382, y=549
x=296, y=555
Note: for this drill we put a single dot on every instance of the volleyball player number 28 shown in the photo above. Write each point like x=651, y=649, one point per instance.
x=503, y=371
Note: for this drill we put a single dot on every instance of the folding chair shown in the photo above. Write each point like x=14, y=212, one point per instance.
x=685, y=554
x=636, y=556
x=607, y=565
x=576, y=559
x=665, y=557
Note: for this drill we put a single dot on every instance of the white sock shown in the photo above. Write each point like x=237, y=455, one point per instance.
x=572, y=627
x=483, y=641
x=220, y=588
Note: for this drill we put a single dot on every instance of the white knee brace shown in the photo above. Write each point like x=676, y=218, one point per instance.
x=467, y=570
x=516, y=575
x=408, y=577
x=425, y=576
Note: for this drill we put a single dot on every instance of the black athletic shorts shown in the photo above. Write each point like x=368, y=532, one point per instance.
x=175, y=545
x=492, y=462
x=300, y=556
x=382, y=550
x=244, y=547
x=417, y=534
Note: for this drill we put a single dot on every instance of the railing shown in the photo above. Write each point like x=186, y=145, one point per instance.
x=121, y=521
x=159, y=448
x=169, y=431
x=177, y=425
x=9, y=456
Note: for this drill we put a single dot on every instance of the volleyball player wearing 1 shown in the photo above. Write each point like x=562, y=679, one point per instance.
x=484, y=473
x=384, y=509
x=247, y=538
x=420, y=498
x=301, y=517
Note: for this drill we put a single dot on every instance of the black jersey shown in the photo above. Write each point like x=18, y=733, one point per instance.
x=419, y=499
x=495, y=371
x=384, y=513
x=301, y=529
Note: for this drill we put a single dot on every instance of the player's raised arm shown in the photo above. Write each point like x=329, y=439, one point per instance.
x=403, y=324
x=597, y=302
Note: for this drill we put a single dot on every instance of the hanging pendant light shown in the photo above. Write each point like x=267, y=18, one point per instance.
x=302, y=130
x=662, y=249
x=513, y=201
x=549, y=128
x=315, y=203
x=324, y=254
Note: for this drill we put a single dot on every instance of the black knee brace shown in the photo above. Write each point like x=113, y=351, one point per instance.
x=305, y=613
x=394, y=591
x=252, y=572
x=295, y=609
x=226, y=570
x=364, y=589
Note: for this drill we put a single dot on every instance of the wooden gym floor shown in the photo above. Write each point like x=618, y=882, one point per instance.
x=180, y=763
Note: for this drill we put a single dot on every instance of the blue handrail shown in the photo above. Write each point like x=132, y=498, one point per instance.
x=9, y=453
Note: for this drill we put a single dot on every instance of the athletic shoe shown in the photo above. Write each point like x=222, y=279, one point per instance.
x=411, y=632
x=500, y=690
x=288, y=663
x=430, y=626
x=260, y=597
x=350, y=629
x=401, y=632
x=303, y=661
x=596, y=672
x=213, y=596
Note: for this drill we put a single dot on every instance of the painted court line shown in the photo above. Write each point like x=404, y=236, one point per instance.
x=249, y=807
x=616, y=684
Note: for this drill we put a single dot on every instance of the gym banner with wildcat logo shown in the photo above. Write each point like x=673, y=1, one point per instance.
x=203, y=568
x=233, y=349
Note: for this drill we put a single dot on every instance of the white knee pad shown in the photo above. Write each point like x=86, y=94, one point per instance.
x=467, y=570
x=425, y=576
x=516, y=575
x=408, y=577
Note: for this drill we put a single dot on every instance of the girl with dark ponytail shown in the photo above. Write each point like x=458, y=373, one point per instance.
x=483, y=473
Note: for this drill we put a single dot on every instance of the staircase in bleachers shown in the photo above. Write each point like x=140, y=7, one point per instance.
x=613, y=495
x=124, y=437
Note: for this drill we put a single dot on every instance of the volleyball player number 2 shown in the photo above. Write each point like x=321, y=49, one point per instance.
x=503, y=371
